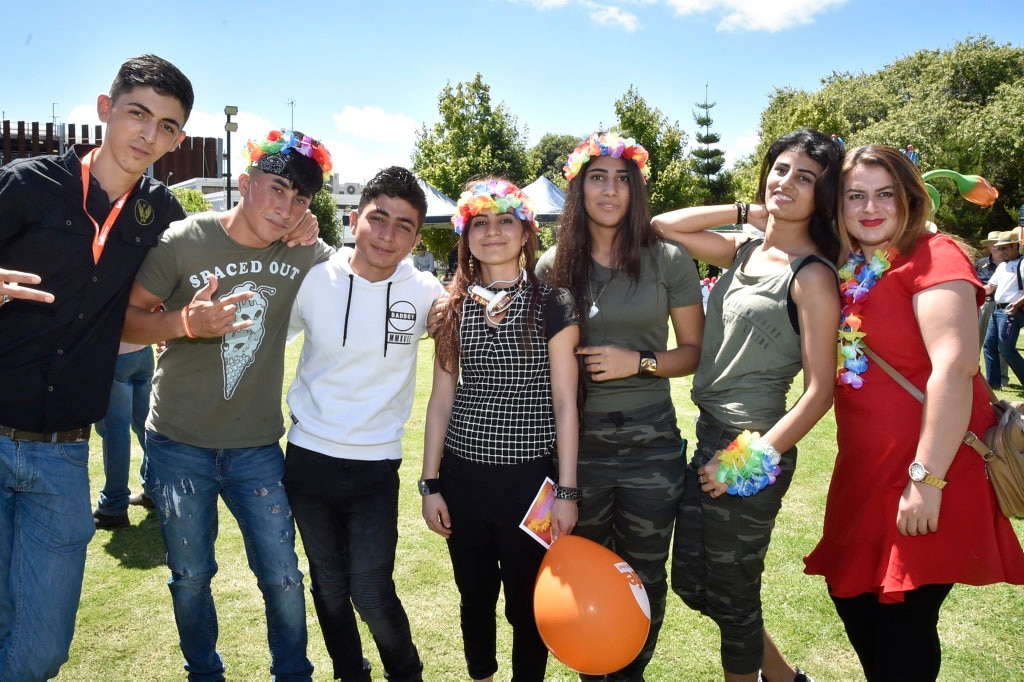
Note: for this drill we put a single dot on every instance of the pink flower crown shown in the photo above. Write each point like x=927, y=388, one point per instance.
x=607, y=144
x=497, y=196
x=284, y=142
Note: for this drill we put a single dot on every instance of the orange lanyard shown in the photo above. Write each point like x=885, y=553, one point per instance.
x=100, y=240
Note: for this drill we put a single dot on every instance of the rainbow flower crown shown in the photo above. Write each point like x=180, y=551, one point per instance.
x=497, y=196
x=607, y=144
x=284, y=142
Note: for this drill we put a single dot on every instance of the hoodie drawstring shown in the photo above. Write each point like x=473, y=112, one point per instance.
x=348, y=307
x=387, y=311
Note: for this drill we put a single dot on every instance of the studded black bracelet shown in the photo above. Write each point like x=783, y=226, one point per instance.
x=571, y=494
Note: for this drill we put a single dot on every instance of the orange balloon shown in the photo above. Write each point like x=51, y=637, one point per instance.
x=591, y=608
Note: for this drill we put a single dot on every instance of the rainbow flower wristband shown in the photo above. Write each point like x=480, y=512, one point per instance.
x=748, y=464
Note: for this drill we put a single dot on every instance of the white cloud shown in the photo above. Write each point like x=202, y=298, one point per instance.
x=545, y=4
x=744, y=146
x=359, y=160
x=613, y=16
x=756, y=15
x=373, y=123
x=735, y=15
x=368, y=140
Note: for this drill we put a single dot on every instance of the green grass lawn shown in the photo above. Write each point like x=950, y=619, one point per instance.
x=126, y=629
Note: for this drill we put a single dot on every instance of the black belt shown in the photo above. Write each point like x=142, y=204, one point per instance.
x=72, y=436
x=1003, y=306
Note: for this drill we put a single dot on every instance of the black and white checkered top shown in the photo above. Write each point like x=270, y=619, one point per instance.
x=503, y=410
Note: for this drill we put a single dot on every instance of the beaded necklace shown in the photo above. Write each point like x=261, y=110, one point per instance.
x=859, y=276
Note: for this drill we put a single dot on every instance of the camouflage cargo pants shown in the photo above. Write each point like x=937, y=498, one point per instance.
x=630, y=469
x=719, y=550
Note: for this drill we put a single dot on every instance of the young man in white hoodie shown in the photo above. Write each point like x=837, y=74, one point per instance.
x=363, y=313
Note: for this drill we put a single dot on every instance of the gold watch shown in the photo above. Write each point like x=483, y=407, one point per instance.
x=920, y=474
x=648, y=364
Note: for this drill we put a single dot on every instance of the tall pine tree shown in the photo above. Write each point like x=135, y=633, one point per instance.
x=708, y=159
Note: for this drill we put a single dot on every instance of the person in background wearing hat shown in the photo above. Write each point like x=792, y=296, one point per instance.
x=220, y=288
x=1006, y=286
x=986, y=267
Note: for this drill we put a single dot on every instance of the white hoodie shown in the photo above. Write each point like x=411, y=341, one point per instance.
x=356, y=378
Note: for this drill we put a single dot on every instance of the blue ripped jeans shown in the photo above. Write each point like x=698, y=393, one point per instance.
x=185, y=483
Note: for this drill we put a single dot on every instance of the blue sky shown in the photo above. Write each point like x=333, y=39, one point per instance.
x=365, y=75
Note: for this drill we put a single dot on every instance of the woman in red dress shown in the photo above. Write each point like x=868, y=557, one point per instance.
x=910, y=511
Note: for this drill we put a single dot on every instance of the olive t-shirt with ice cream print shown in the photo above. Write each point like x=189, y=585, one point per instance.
x=224, y=392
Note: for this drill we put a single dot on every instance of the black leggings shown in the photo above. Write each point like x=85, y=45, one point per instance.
x=896, y=642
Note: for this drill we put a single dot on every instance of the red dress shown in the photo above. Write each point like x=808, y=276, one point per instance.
x=877, y=428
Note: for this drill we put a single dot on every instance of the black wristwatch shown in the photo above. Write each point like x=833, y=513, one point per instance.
x=429, y=486
x=648, y=364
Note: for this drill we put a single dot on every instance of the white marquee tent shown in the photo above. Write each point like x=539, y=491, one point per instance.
x=547, y=199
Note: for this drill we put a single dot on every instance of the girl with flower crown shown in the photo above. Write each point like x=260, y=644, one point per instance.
x=501, y=417
x=629, y=286
x=772, y=315
x=910, y=511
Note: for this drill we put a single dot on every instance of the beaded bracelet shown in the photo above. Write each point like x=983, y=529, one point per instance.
x=184, y=323
x=571, y=494
x=748, y=464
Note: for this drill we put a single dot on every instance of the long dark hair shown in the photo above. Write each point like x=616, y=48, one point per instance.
x=572, y=266
x=446, y=338
x=824, y=230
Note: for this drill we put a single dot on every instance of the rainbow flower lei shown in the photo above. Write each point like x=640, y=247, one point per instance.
x=284, y=142
x=608, y=144
x=859, y=275
x=748, y=464
x=497, y=196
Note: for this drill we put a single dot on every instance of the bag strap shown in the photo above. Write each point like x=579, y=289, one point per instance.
x=977, y=444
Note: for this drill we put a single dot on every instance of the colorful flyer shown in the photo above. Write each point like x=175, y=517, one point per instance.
x=537, y=522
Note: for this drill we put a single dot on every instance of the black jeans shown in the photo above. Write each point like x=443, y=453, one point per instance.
x=347, y=514
x=488, y=551
x=896, y=642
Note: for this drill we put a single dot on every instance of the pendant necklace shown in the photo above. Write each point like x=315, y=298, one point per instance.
x=594, y=310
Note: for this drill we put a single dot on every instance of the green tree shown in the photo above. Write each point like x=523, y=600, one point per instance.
x=192, y=200
x=673, y=182
x=548, y=156
x=473, y=138
x=326, y=212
